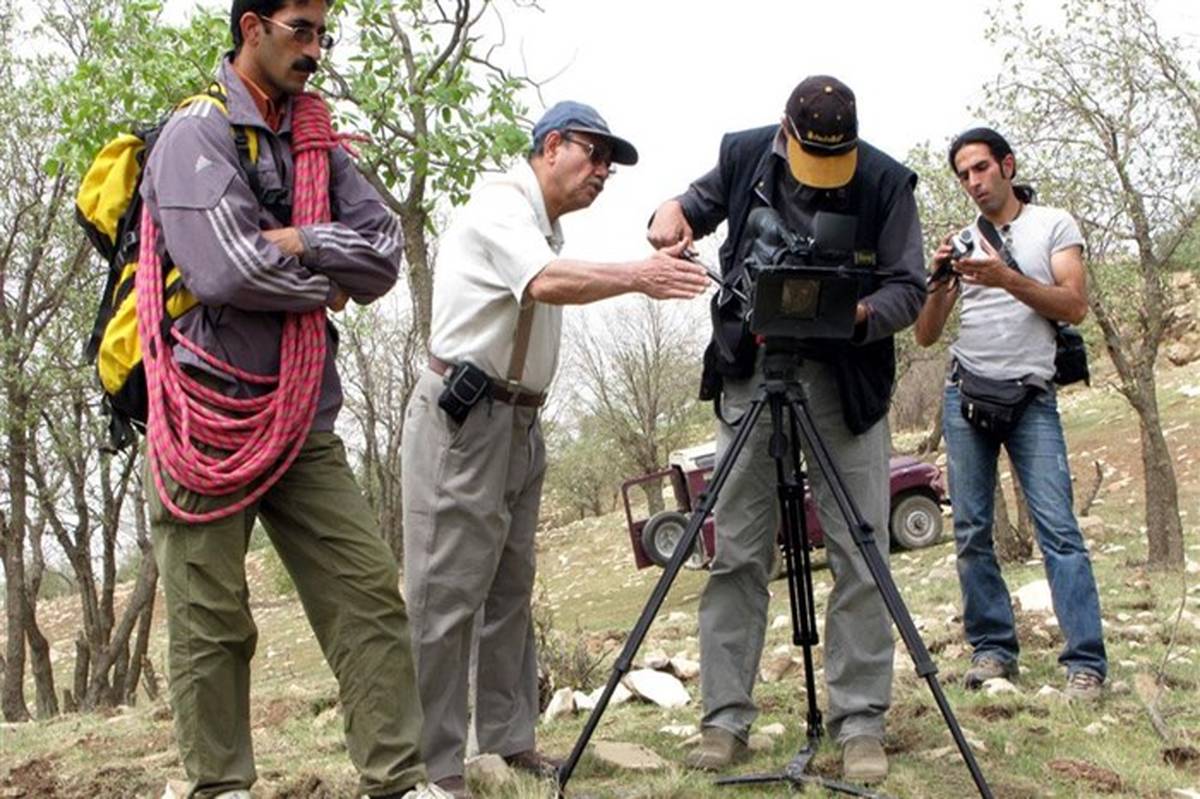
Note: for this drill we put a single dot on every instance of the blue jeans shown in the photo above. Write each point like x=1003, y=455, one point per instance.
x=1039, y=455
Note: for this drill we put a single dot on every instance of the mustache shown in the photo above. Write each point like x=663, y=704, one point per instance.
x=305, y=64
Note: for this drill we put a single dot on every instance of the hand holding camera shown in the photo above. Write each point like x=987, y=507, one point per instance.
x=986, y=268
x=954, y=248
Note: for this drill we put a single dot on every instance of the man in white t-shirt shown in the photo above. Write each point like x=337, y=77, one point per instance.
x=1007, y=334
x=472, y=484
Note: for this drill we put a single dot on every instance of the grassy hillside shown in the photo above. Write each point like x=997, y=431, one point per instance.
x=590, y=593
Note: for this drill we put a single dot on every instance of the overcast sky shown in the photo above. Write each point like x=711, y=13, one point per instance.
x=672, y=76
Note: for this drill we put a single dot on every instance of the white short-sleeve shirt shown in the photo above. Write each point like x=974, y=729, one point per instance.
x=496, y=244
x=998, y=335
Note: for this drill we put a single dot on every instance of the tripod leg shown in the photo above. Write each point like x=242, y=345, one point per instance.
x=683, y=549
x=801, y=582
x=864, y=538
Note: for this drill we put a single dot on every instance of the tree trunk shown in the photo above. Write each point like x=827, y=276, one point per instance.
x=39, y=665
x=1024, y=529
x=654, y=498
x=101, y=688
x=420, y=273
x=141, y=646
x=933, y=439
x=1004, y=536
x=1164, y=529
x=12, y=703
x=83, y=660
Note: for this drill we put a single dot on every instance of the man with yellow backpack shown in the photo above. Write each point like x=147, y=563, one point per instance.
x=256, y=217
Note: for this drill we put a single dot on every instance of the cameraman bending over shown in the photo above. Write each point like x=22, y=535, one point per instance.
x=1005, y=335
x=812, y=161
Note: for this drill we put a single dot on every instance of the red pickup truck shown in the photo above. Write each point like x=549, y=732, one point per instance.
x=917, y=489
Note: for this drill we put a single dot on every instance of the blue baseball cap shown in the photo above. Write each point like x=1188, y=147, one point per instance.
x=570, y=115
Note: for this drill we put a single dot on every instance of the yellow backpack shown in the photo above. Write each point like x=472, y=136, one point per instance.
x=109, y=208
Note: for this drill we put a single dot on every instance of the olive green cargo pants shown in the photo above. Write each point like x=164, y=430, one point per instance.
x=328, y=539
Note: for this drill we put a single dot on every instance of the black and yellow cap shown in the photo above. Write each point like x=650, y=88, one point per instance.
x=822, y=132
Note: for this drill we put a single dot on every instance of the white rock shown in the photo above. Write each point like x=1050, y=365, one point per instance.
x=685, y=669
x=1192, y=567
x=561, y=704
x=997, y=686
x=761, y=743
x=583, y=702
x=656, y=660
x=976, y=743
x=175, y=790
x=781, y=622
x=489, y=770
x=774, y=730
x=664, y=690
x=1049, y=692
x=940, y=753
x=1035, y=597
x=328, y=718
x=620, y=696
x=776, y=668
x=680, y=730
x=1186, y=793
x=1095, y=728
x=627, y=756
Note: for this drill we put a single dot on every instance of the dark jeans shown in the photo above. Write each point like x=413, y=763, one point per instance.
x=1039, y=455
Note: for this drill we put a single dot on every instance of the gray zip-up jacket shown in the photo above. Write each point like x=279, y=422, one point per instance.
x=210, y=222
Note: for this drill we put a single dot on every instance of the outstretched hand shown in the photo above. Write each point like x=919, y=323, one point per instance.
x=667, y=276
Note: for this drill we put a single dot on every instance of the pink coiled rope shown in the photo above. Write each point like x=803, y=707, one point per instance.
x=256, y=439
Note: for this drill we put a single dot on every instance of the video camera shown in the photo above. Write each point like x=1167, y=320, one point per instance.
x=803, y=287
x=962, y=245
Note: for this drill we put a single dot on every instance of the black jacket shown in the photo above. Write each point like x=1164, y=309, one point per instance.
x=747, y=172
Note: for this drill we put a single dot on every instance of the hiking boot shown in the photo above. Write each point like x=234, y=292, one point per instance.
x=863, y=760
x=1084, y=686
x=534, y=762
x=986, y=667
x=718, y=749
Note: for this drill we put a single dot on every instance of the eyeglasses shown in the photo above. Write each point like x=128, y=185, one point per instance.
x=598, y=155
x=304, y=34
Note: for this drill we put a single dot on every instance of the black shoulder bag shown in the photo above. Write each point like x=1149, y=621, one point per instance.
x=1070, y=356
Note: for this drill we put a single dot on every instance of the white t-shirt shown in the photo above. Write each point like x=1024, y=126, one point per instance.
x=498, y=242
x=999, y=336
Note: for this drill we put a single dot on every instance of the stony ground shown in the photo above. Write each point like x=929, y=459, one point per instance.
x=1029, y=742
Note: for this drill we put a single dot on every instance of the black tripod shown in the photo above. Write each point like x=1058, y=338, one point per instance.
x=781, y=392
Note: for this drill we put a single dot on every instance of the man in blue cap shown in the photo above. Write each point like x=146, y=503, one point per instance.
x=472, y=442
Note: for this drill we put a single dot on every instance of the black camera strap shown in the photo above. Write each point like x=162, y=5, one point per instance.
x=993, y=238
x=1070, y=350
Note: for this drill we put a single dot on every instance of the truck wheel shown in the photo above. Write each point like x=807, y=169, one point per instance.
x=916, y=521
x=663, y=533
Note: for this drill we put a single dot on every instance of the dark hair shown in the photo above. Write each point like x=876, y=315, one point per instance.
x=263, y=8
x=999, y=148
x=996, y=143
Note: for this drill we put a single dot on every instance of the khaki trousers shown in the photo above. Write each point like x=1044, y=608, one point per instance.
x=733, y=608
x=471, y=497
x=328, y=539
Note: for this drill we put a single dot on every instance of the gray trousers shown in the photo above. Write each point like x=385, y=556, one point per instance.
x=471, y=497
x=733, y=608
